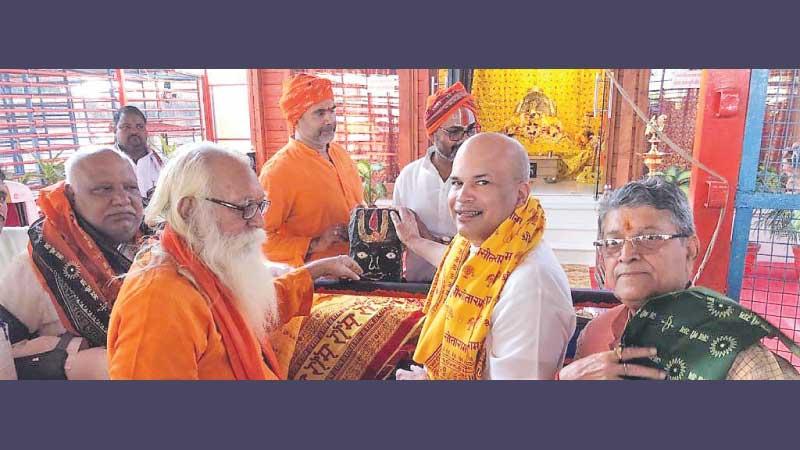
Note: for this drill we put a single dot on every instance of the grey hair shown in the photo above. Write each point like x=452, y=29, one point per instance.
x=186, y=174
x=83, y=153
x=654, y=192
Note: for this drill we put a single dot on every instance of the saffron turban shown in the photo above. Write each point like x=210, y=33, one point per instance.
x=300, y=93
x=441, y=105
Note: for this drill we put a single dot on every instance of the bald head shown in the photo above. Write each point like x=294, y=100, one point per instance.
x=84, y=161
x=495, y=149
x=102, y=187
x=488, y=182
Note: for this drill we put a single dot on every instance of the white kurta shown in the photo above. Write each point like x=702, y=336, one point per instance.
x=148, y=168
x=420, y=188
x=24, y=297
x=532, y=322
x=13, y=241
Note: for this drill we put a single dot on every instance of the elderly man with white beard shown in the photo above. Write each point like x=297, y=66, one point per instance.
x=200, y=303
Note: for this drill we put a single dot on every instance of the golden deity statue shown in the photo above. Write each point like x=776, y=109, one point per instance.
x=536, y=126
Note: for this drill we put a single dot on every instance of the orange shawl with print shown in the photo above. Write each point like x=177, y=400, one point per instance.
x=244, y=350
x=72, y=268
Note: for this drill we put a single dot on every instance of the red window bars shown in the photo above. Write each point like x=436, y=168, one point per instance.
x=47, y=114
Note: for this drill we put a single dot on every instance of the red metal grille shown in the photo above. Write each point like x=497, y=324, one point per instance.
x=679, y=104
x=771, y=281
x=49, y=113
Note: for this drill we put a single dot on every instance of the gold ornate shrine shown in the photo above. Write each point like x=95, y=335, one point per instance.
x=550, y=111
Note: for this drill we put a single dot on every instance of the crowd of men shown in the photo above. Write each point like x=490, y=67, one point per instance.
x=146, y=268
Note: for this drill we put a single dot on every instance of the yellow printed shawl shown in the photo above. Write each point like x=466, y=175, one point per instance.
x=464, y=291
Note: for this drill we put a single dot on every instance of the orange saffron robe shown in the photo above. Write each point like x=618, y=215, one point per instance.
x=602, y=333
x=307, y=195
x=162, y=326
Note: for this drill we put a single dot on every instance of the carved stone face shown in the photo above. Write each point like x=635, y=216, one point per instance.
x=374, y=244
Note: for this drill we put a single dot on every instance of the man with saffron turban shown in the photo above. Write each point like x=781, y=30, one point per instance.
x=422, y=185
x=311, y=182
x=499, y=305
x=313, y=186
x=57, y=296
x=200, y=303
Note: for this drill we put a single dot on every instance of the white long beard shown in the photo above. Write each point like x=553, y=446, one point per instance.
x=240, y=265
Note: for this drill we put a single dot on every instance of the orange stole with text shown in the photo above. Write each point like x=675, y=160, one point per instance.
x=348, y=337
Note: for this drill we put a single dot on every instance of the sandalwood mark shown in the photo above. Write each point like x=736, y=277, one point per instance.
x=626, y=225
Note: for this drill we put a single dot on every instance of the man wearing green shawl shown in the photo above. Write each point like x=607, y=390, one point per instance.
x=665, y=328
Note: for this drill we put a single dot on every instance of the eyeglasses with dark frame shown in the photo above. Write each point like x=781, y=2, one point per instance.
x=459, y=133
x=644, y=244
x=248, y=210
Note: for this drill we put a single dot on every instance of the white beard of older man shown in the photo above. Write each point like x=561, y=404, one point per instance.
x=240, y=265
x=200, y=304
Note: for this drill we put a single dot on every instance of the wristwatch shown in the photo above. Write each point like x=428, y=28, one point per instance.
x=444, y=239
